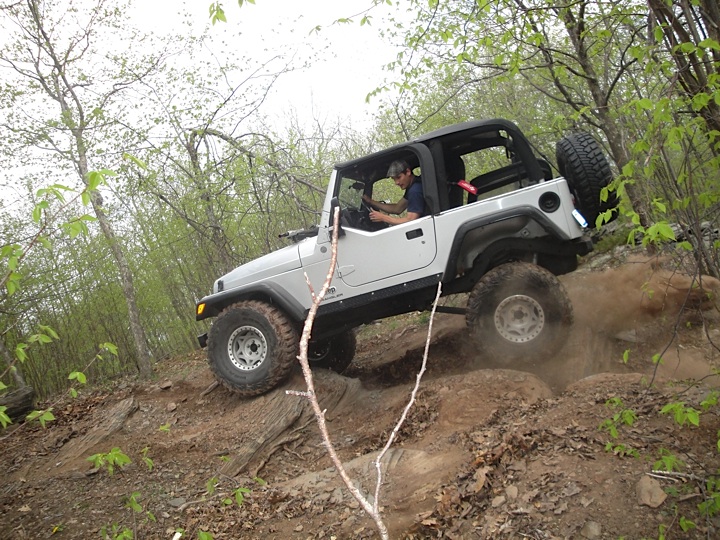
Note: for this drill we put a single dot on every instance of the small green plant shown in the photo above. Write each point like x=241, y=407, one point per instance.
x=239, y=495
x=259, y=481
x=4, y=418
x=711, y=505
x=710, y=401
x=78, y=376
x=682, y=414
x=133, y=503
x=202, y=535
x=165, y=428
x=41, y=416
x=115, y=532
x=668, y=462
x=148, y=462
x=685, y=524
x=623, y=416
x=621, y=450
x=211, y=484
x=114, y=458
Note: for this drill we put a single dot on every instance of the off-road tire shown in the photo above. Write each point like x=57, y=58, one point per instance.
x=584, y=165
x=519, y=312
x=335, y=353
x=252, y=347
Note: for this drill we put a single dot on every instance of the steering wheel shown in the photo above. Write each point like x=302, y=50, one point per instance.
x=367, y=223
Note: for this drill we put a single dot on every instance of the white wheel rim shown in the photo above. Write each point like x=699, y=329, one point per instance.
x=519, y=318
x=247, y=348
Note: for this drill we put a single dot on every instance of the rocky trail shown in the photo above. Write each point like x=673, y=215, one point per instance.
x=489, y=450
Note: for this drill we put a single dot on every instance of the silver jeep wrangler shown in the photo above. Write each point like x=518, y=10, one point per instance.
x=499, y=225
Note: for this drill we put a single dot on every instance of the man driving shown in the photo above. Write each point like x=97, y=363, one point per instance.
x=413, y=200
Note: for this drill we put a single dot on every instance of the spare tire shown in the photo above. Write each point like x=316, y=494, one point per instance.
x=584, y=165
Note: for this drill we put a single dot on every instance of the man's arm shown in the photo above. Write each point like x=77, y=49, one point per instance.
x=380, y=217
x=396, y=208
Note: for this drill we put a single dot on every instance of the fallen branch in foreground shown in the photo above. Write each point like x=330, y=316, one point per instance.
x=373, y=510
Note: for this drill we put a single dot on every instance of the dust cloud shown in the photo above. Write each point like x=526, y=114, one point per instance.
x=635, y=309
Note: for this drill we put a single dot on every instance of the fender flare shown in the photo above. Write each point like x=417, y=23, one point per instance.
x=267, y=292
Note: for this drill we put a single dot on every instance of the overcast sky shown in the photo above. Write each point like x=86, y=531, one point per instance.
x=347, y=59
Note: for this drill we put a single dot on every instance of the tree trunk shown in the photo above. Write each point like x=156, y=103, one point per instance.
x=73, y=455
x=284, y=419
x=144, y=357
x=61, y=89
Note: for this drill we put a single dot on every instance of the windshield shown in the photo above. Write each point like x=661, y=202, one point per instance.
x=350, y=193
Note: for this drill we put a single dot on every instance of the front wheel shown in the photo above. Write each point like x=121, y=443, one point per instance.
x=519, y=311
x=335, y=353
x=252, y=347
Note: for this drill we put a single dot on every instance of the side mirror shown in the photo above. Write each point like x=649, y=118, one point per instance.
x=335, y=203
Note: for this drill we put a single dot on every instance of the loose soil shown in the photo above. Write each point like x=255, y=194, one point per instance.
x=488, y=450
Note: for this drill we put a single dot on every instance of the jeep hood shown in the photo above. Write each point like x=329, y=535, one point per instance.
x=266, y=267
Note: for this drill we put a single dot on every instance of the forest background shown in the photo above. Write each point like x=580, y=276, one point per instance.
x=138, y=167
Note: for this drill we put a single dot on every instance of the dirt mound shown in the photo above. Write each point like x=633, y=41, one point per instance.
x=488, y=451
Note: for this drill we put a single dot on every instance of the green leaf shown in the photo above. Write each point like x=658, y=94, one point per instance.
x=13, y=283
x=41, y=416
x=6, y=421
x=240, y=495
x=645, y=104
x=217, y=14
x=685, y=524
x=212, y=484
x=688, y=47
x=95, y=179
x=709, y=43
x=20, y=353
x=135, y=160
x=49, y=331
x=110, y=347
x=79, y=376
x=133, y=503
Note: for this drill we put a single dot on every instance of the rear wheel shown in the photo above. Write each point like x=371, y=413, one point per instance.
x=584, y=165
x=252, y=347
x=335, y=353
x=519, y=311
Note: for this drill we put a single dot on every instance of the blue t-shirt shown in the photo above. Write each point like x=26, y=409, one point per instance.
x=415, y=198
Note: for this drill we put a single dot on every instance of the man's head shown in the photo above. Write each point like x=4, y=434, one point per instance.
x=401, y=174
